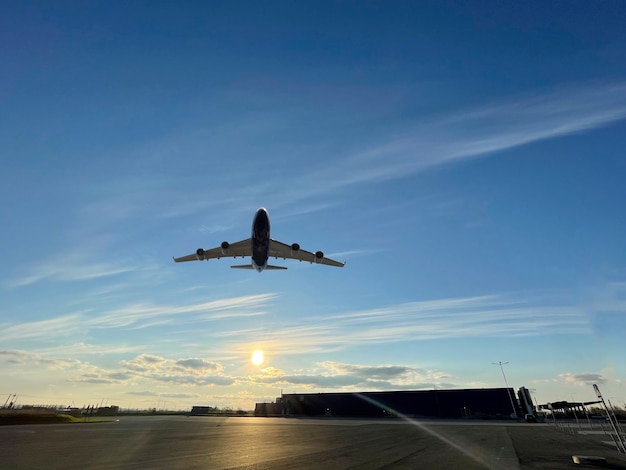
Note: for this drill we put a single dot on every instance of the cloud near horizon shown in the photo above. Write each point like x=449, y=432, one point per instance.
x=330, y=375
x=200, y=372
x=584, y=379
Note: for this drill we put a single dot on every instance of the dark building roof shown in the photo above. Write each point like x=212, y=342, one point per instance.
x=427, y=403
x=201, y=410
x=565, y=405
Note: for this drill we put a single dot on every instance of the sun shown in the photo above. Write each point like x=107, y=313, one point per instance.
x=257, y=357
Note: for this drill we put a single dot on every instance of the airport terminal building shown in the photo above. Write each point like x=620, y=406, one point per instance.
x=465, y=403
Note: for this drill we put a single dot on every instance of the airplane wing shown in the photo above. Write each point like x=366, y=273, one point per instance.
x=282, y=250
x=225, y=250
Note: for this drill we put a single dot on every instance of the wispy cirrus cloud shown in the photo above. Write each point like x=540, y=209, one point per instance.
x=87, y=349
x=464, y=135
x=63, y=326
x=480, y=132
x=407, y=148
x=483, y=316
x=135, y=316
x=70, y=267
x=143, y=315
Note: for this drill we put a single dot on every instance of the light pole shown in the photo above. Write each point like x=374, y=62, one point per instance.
x=500, y=363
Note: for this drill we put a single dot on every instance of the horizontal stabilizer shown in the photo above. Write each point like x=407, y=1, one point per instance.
x=249, y=266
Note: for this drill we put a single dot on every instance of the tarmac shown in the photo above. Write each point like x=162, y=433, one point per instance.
x=179, y=442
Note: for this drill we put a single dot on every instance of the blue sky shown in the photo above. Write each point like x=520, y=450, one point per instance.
x=464, y=158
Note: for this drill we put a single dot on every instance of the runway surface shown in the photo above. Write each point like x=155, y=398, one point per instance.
x=177, y=442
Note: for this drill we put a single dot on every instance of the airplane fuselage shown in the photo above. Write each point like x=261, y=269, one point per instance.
x=260, y=239
x=260, y=247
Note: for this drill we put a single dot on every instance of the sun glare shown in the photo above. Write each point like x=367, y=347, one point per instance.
x=257, y=358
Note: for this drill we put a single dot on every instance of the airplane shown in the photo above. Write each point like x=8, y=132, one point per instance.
x=260, y=247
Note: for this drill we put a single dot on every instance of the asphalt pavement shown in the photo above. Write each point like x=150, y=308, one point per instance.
x=178, y=442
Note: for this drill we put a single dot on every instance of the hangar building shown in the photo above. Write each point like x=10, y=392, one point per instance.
x=477, y=403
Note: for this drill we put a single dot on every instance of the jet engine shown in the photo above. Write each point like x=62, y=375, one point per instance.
x=319, y=256
x=295, y=248
x=225, y=246
x=200, y=254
